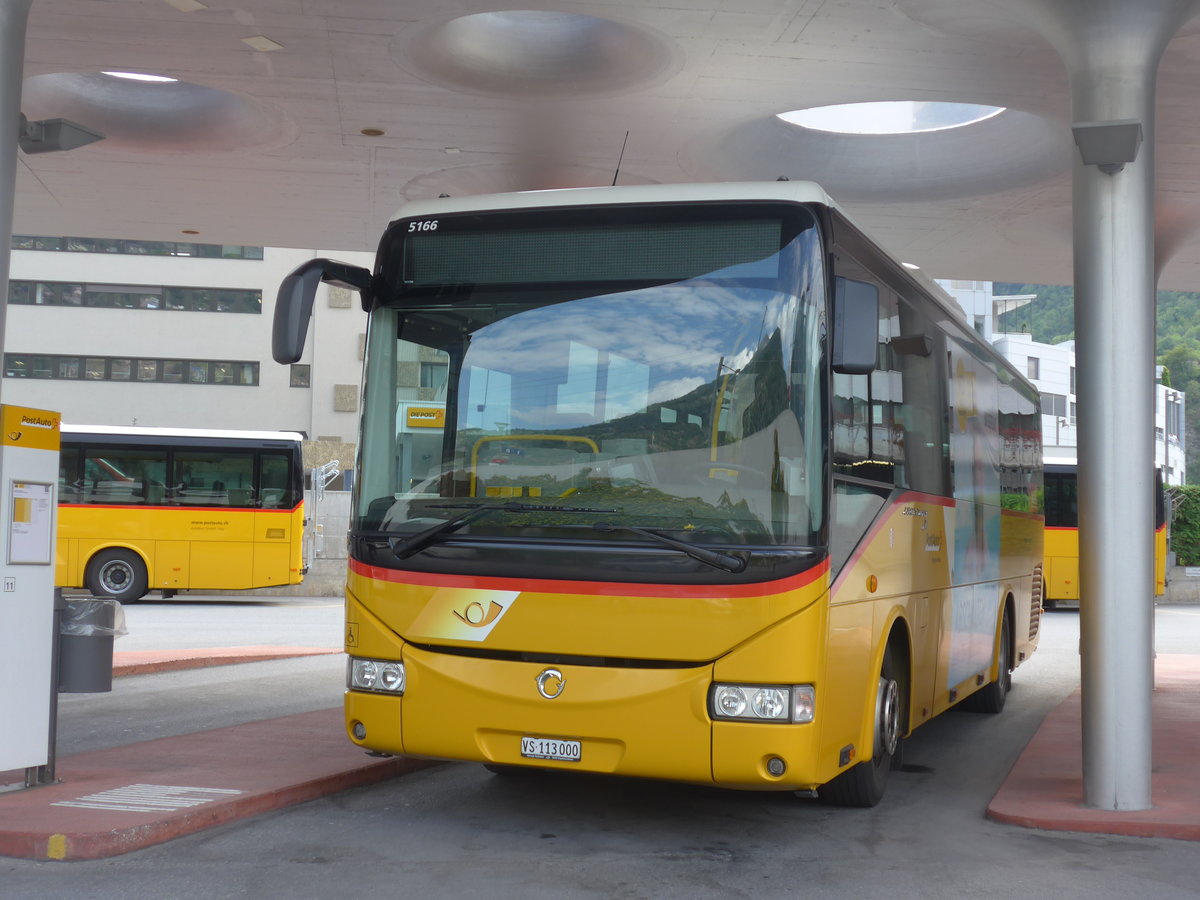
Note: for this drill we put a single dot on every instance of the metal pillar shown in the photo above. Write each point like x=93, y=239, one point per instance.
x=1112, y=50
x=1114, y=330
x=14, y=16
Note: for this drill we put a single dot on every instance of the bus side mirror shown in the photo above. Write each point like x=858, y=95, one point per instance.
x=293, y=306
x=855, y=326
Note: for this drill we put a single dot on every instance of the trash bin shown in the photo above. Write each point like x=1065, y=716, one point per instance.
x=85, y=644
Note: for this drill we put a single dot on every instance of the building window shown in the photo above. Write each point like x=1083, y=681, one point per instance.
x=1033, y=367
x=301, y=375
x=1174, y=417
x=433, y=375
x=127, y=296
x=1073, y=391
x=106, y=368
x=1072, y=412
x=1054, y=405
x=139, y=248
x=345, y=398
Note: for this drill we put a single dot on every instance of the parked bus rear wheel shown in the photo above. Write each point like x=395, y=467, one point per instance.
x=990, y=698
x=864, y=784
x=117, y=573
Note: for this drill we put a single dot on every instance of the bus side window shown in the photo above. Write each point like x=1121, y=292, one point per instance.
x=855, y=507
x=70, y=484
x=273, y=484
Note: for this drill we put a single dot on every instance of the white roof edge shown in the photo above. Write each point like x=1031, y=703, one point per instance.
x=147, y=431
x=793, y=191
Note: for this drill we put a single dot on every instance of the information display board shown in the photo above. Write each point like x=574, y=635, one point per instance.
x=29, y=445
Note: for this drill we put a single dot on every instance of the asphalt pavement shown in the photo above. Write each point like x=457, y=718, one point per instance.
x=112, y=801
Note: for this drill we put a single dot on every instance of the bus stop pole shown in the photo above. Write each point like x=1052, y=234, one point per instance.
x=1112, y=52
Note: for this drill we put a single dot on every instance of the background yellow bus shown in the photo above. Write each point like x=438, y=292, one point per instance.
x=178, y=509
x=720, y=494
x=1061, y=568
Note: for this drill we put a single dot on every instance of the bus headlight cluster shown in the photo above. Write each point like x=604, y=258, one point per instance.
x=795, y=703
x=383, y=676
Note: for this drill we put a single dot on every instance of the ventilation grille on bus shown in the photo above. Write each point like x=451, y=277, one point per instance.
x=1035, y=603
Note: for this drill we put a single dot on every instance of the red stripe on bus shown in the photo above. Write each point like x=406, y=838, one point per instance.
x=611, y=588
x=138, y=506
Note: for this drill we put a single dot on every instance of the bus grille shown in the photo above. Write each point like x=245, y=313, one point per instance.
x=1035, y=603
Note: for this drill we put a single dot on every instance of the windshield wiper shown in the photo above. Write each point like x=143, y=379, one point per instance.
x=404, y=547
x=724, y=561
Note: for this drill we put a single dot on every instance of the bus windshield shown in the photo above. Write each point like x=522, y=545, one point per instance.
x=672, y=391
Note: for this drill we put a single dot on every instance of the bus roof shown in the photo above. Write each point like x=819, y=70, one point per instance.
x=788, y=191
x=147, y=432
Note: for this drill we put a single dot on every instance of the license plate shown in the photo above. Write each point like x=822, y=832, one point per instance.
x=550, y=748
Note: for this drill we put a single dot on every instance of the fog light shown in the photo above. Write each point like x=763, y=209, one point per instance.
x=776, y=766
x=359, y=730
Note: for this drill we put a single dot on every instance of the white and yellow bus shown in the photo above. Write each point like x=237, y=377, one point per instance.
x=175, y=509
x=718, y=492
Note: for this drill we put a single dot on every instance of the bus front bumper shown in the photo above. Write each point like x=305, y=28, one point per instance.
x=651, y=722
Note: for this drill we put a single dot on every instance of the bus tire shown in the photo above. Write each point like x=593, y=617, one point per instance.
x=117, y=573
x=990, y=698
x=863, y=785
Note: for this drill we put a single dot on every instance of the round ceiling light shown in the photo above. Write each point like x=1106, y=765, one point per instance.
x=518, y=52
x=156, y=116
x=890, y=116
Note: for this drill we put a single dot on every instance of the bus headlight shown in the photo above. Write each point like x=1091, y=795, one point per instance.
x=795, y=704
x=382, y=676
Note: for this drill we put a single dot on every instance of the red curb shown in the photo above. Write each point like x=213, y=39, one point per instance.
x=1045, y=788
x=145, y=662
x=262, y=766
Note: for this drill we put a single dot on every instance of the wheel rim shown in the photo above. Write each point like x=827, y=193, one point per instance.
x=116, y=577
x=887, y=715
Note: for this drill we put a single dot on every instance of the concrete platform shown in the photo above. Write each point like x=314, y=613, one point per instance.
x=1045, y=788
x=110, y=802
x=115, y=801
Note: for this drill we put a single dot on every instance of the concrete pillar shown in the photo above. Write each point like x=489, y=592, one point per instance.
x=1112, y=49
x=14, y=15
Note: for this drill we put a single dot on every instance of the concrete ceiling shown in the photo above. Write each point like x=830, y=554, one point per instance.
x=267, y=147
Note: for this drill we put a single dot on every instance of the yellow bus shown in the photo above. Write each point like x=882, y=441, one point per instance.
x=173, y=509
x=1061, y=568
x=714, y=491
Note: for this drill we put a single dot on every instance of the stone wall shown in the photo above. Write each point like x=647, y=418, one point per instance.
x=1183, y=585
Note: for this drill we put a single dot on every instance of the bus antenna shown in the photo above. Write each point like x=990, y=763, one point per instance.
x=619, y=158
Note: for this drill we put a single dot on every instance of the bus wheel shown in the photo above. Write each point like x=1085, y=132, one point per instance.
x=865, y=783
x=117, y=573
x=990, y=698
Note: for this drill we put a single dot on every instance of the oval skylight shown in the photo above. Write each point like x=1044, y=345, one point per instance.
x=890, y=116
x=141, y=76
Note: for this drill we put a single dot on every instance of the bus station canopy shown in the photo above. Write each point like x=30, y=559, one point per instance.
x=306, y=123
